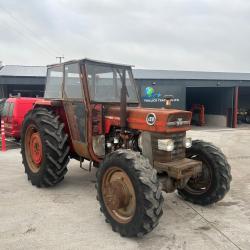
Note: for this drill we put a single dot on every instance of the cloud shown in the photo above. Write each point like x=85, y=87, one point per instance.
x=166, y=34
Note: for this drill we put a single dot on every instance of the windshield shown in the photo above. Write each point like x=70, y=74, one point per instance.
x=105, y=83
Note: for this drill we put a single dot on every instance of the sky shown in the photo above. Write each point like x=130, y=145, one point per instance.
x=207, y=35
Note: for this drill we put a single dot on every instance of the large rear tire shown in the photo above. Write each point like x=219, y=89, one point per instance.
x=214, y=182
x=44, y=148
x=129, y=193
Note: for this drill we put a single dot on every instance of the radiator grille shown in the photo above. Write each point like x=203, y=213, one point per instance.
x=164, y=156
x=179, y=149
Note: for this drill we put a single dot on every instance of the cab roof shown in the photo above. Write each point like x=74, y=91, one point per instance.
x=91, y=61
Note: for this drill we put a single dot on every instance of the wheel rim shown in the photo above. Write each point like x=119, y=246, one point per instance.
x=200, y=184
x=119, y=195
x=33, y=148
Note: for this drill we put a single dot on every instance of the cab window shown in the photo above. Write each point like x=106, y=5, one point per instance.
x=54, y=82
x=105, y=83
x=72, y=86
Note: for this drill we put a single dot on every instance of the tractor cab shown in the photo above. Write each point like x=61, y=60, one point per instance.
x=90, y=81
x=87, y=88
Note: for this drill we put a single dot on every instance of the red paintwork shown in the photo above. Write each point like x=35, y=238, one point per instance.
x=43, y=102
x=36, y=148
x=59, y=110
x=136, y=119
x=13, y=123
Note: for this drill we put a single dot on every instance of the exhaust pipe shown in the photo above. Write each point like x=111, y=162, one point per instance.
x=123, y=104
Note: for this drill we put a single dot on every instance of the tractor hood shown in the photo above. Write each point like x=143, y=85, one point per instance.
x=150, y=119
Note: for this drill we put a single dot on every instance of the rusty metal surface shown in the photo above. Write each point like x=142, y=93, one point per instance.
x=81, y=149
x=97, y=119
x=82, y=145
x=180, y=169
x=118, y=195
x=70, y=113
x=123, y=106
x=43, y=103
x=89, y=116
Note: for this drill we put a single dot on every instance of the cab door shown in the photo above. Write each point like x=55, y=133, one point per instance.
x=75, y=108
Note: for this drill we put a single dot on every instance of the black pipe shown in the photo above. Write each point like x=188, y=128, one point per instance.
x=123, y=104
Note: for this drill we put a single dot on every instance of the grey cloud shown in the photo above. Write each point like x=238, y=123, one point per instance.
x=171, y=34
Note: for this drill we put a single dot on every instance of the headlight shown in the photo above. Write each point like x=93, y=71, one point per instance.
x=166, y=145
x=187, y=142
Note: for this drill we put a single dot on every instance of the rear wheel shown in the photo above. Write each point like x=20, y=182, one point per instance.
x=44, y=148
x=214, y=181
x=129, y=193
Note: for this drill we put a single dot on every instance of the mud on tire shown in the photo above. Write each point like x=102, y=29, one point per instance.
x=55, y=149
x=149, y=200
x=219, y=170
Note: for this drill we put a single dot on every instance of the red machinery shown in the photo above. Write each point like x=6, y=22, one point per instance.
x=198, y=109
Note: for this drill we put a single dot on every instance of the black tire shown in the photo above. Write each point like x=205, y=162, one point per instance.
x=147, y=189
x=218, y=170
x=55, y=149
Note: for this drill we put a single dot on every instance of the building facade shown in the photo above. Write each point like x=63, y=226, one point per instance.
x=222, y=94
x=24, y=80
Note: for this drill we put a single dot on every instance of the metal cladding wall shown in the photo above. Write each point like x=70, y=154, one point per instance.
x=2, y=91
x=216, y=95
x=27, y=86
x=20, y=80
x=152, y=92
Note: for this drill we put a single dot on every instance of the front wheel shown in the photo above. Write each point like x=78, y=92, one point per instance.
x=129, y=193
x=214, y=181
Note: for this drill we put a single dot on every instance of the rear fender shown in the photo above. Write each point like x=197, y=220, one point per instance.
x=57, y=107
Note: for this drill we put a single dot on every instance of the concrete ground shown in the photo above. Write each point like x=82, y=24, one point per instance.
x=68, y=217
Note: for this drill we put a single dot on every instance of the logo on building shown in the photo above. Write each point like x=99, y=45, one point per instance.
x=150, y=95
x=150, y=92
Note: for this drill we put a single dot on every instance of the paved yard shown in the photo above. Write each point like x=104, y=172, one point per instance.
x=68, y=216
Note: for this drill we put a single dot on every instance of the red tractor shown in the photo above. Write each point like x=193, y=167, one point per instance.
x=92, y=111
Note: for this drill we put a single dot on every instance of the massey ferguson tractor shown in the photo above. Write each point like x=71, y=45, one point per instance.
x=91, y=111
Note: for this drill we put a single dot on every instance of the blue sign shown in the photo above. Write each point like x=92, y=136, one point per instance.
x=149, y=92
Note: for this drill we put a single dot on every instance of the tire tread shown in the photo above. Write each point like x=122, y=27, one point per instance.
x=222, y=171
x=56, y=149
